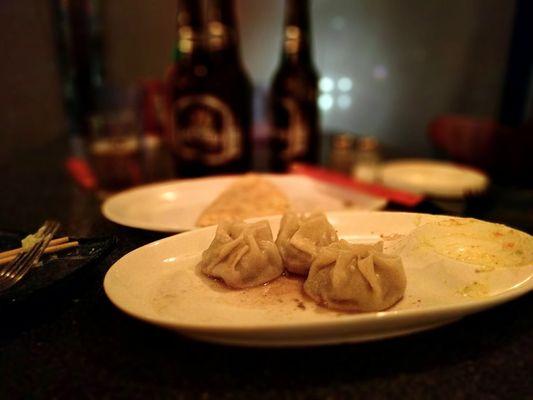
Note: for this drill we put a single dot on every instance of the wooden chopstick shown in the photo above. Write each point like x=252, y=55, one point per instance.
x=54, y=246
x=14, y=252
x=59, y=247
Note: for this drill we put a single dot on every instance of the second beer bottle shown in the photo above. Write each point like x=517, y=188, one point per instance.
x=210, y=94
x=293, y=97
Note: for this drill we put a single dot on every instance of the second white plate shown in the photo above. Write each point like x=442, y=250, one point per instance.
x=175, y=206
x=434, y=178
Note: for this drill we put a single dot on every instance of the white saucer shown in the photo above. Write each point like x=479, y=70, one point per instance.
x=433, y=178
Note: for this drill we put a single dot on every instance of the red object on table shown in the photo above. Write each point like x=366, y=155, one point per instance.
x=81, y=172
x=466, y=139
x=396, y=196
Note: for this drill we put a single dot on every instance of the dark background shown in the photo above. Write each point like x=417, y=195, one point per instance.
x=407, y=61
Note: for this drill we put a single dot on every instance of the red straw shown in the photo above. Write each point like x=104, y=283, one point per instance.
x=321, y=174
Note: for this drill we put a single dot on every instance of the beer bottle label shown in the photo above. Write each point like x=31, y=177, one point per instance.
x=205, y=130
x=292, y=130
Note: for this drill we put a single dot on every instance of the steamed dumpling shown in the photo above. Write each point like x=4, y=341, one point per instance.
x=242, y=255
x=356, y=277
x=300, y=238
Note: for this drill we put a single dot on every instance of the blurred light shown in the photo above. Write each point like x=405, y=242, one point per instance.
x=292, y=32
x=185, y=32
x=216, y=28
x=380, y=72
x=326, y=84
x=344, y=84
x=344, y=101
x=338, y=23
x=169, y=196
x=325, y=102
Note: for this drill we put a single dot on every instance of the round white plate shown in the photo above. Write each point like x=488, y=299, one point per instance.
x=175, y=206
x=433, y=178
x=159, y=283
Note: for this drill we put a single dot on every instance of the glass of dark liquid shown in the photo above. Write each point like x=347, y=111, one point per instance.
x=114, y=146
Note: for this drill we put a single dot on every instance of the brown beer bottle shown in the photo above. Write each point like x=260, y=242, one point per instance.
x=230, y=79
x=293, y=98
x=210, y=114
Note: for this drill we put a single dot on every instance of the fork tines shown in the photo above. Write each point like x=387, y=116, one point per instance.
x=16, y=269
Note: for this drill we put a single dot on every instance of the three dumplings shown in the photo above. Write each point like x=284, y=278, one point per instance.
x=340, y=275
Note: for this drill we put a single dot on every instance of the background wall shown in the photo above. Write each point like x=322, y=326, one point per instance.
x=400, y=63
x=30, y=95
x=390, y=66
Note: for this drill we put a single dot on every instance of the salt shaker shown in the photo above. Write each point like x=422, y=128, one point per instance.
x=367, y=159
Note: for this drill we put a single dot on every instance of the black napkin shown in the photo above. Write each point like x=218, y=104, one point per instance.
x=55, y=267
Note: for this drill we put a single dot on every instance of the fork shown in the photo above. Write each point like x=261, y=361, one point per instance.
x=16, y=269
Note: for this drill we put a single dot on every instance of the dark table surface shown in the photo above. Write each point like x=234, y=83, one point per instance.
x=70, y=342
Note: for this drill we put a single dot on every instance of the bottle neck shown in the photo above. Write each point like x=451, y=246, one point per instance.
x=189, y=45
x=189, y=29
x=296, y=32
x=223, y=35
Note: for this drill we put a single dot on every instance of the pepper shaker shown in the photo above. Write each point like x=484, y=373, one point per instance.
x=341, y=155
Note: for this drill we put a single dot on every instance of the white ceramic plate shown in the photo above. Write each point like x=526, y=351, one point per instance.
x=175, y=206
x=159, y=283
x=433, y=178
